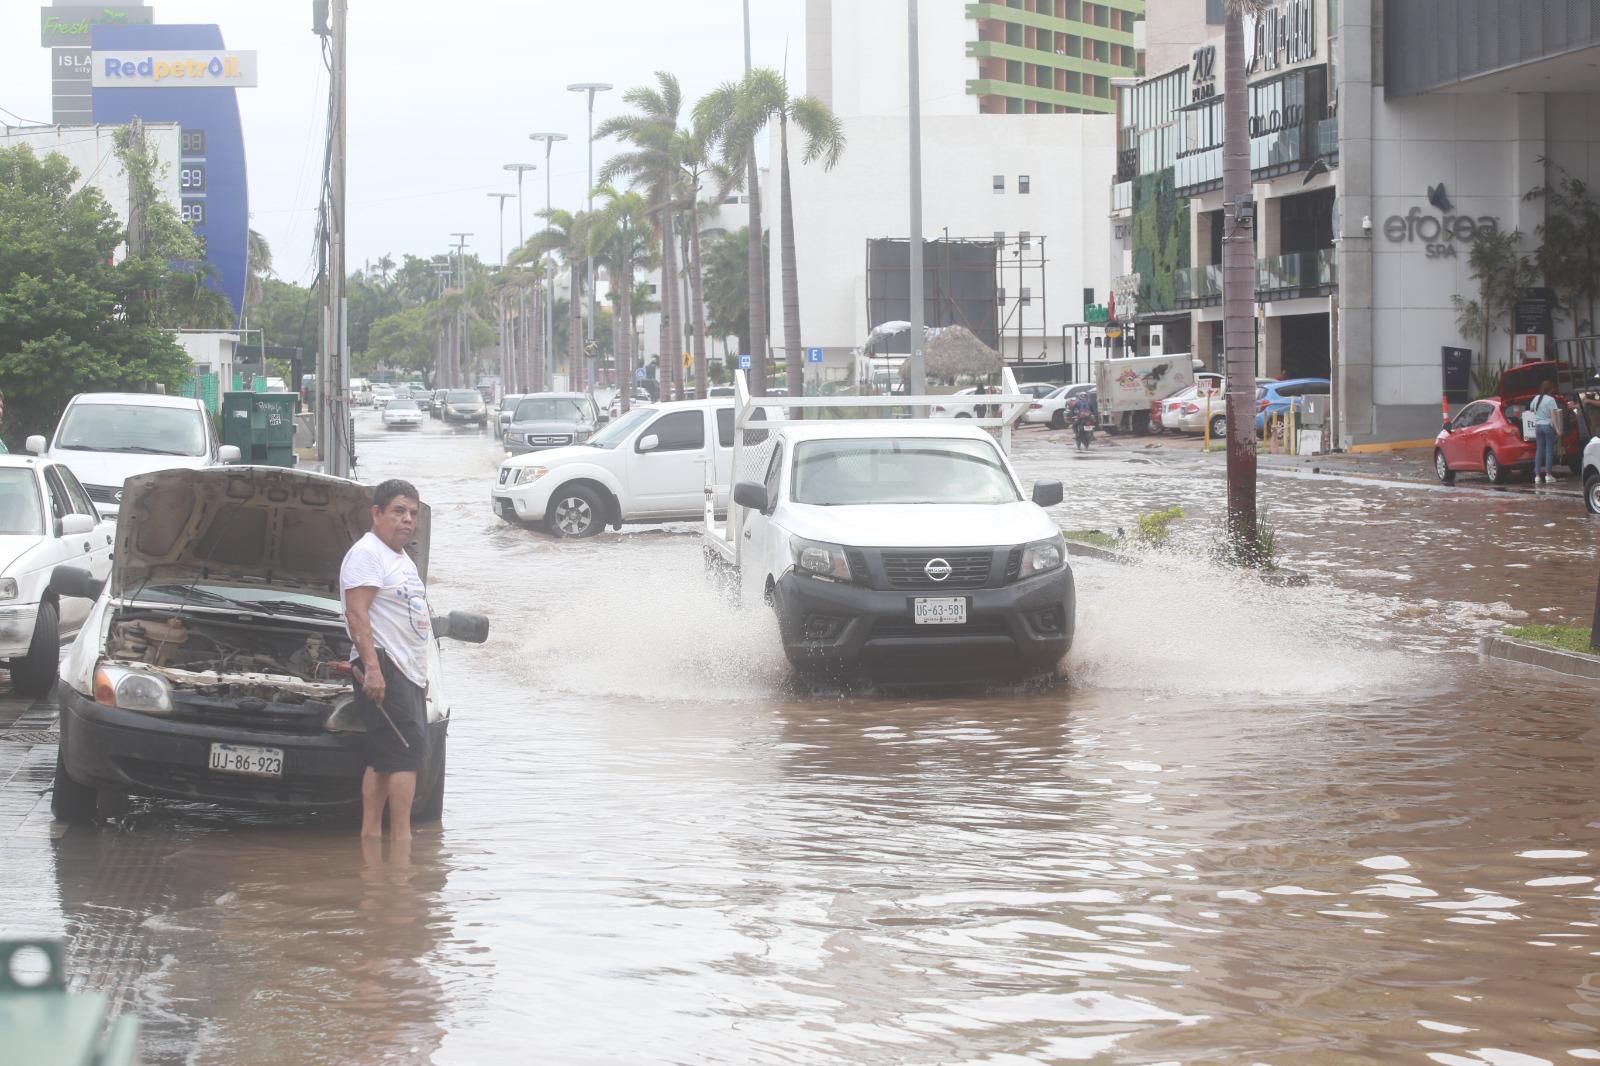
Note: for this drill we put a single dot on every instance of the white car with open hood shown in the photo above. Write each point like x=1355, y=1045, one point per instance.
x=213, y=664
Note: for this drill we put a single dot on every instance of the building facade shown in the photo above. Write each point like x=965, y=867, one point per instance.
x=1384, y=139
x=93, y=153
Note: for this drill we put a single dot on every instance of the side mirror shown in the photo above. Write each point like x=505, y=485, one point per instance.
x=470, y=627
x=76, y=582
x=1047, y=493
x=649, y=442
x=752, y=495
x=229, y=453
x=36, y=444
x=73, y=525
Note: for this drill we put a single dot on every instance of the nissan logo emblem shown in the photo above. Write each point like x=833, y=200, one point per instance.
x=937, y=569
x=117, y=496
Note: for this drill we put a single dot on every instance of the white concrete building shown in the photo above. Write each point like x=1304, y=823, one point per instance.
x=212, y=352
x=92, y=150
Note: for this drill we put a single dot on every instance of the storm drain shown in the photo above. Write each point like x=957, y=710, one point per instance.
x=29, y=736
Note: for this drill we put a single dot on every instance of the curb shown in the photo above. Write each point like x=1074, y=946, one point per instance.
x=1092, y=551
x=1277, y=578
x=1521, y=651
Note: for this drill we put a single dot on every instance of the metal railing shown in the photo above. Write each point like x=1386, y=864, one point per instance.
x=1122, y=196
x=1280, y=149
x=1326, y=137
x=1199, y=283
x=1298, y=272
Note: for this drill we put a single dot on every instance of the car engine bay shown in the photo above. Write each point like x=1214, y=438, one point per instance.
x=264, y=659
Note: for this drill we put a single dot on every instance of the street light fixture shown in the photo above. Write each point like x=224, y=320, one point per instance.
x=549, y=139
x=520, y=169
x=503, y=197
x=590, y=88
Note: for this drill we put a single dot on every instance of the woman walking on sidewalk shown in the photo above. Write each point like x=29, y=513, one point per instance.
x=1544, y=408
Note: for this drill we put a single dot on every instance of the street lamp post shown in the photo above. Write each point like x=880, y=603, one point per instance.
x=458, y=350
x=549, y=139
x=590, y=88
x=520, y=169
x=503, y=197
x=499, y=301
x=919, y=380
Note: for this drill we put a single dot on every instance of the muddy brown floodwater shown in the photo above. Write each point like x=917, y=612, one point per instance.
x=1252, y=825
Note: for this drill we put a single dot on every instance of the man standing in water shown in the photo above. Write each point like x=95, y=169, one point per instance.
x=386, y=615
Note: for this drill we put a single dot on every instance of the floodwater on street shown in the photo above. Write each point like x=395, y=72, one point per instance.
x=1252, y=824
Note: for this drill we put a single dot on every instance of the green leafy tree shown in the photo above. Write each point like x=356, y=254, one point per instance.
x=727, y=286
x=70, y=321
x=1502, y=274
x=1569, y=246
x=620, y=239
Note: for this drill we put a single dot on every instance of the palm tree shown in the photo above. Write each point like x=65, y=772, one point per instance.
x=700, y=164
x=653, y=161
x=258, y=267
x=737, y=111
x=566, y=235
x=619, y=239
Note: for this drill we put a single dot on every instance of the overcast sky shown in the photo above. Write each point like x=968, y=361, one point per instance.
x=441, y=95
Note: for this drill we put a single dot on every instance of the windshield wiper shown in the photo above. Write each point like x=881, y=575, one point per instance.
x=293, y=607
x=140, y=449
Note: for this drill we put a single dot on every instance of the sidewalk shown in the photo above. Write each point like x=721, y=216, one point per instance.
x=27, y=770
x=1410, y=466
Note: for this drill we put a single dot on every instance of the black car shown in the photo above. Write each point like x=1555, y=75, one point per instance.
x=464, y=406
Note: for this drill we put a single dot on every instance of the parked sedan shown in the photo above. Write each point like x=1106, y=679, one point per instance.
x=465, y=406
x=1486, y=436
x=402, y=414
x=1051, y=408
x=46, y=519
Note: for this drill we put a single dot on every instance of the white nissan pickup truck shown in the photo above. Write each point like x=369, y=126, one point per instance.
x=903, y=550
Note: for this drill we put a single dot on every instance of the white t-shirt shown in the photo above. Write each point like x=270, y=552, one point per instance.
x=401, y=624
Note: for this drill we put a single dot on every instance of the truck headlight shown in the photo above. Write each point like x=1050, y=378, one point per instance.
x=8, y=588
x=526, y=474
x=1043, y=556
x=820, y=560
x=132, y=690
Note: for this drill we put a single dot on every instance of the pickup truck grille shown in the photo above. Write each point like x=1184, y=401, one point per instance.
x=908, y=570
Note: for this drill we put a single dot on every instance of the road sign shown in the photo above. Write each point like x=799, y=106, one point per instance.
x=688, y=361
x=744, y=362
x=639, y=373
x=813, y=355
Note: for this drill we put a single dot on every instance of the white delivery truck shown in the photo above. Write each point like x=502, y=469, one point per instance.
x=899, y=549
x=1125, y=388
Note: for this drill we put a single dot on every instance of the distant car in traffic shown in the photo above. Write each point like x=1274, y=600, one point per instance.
x=435, y=403
x=464, y=406
x=402, y=414
x=640, y=396
x=545, y=420
x=508, y=406
x=46, y=520
x=382, y=394
x=108, y=437
x=1277, y=397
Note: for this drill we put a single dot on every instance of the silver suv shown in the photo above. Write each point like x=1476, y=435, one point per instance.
x=551, y=420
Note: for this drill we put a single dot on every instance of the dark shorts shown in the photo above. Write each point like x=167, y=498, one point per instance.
x=408, y=710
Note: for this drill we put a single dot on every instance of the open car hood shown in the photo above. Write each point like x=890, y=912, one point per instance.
x=248, y=526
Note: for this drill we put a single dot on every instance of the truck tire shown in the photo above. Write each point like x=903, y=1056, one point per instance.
x=34, y=674
x=577, y=512
x=429, y=805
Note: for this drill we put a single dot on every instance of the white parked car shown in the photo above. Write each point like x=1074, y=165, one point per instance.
x=647, y=466
x=899, y=549
x=46, y=520
x=108, y=437
x=1187, y=412
x=381, y=395
x=1051, y=408
x=402, y=414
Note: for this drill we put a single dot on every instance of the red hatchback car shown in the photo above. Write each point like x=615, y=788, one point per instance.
x=1486, y=435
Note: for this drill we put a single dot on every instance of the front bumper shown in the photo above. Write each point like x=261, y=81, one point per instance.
x=16, y=629
x=480, y=417
x=1015, y=632
x=140, y=754
x=528, y=502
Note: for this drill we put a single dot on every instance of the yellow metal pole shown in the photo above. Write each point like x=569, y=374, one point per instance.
x=1208, y=421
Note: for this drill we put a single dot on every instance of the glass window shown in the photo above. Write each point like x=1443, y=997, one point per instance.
x=80, y=499
x=999, y=183
x=20, y=512
x=620, y=428
x=551, y=409
x=1024, y=184
x=932, y=470
x=463, y=396
x=679, y=431
x=724, y=426
x=60, y=503
x=774, y=470
x=401, y=405
x=137, y=428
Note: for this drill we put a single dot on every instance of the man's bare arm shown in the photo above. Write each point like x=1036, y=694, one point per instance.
x=358, y=607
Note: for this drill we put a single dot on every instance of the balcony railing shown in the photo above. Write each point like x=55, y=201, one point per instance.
x=1304, y=273
x=1327, y=137
x=1198, y=171
x=1122, y=196
x=1281, y=149
x=1197, y=285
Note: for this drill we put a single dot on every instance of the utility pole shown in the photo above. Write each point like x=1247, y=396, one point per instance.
x=333, y=361
x=547, y=314
x=1238, y=294
x=755, y=257
x=590, y=88
x=919, y=378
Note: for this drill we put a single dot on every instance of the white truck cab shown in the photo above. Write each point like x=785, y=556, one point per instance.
x=893, y=548
x=649, y=465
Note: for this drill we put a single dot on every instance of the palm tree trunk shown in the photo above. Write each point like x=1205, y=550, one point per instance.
x=793, y=354
x=1238, y=296
x=574, y=328
x=671, y=337
x=697, y=300
x=685, y=328
x=758, y=296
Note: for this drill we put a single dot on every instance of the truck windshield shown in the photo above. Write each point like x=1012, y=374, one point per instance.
x=620, y=429
x=463, y=396
x=550, y=409
x=835, y=473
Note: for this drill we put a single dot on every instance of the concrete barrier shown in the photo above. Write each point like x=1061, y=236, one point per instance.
x=1521, y=651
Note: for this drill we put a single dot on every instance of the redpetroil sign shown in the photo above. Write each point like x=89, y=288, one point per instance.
x=173, y=70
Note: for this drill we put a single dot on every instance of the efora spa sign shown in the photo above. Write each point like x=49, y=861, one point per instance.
x=1438, y=233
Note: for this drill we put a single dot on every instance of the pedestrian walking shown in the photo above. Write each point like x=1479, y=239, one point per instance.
x=1544, y=408
x=386, y=615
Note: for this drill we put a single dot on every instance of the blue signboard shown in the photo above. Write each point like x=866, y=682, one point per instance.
x=813, y=355
x=744, y=362
x=212, y=178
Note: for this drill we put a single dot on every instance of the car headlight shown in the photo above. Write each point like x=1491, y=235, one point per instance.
x=132, y=690
x=820, y=560
x=526, y=474
x=8, y=588
x=1043, y=556
x=343, y=718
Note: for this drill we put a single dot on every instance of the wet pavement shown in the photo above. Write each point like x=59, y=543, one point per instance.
x=1253, y=824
